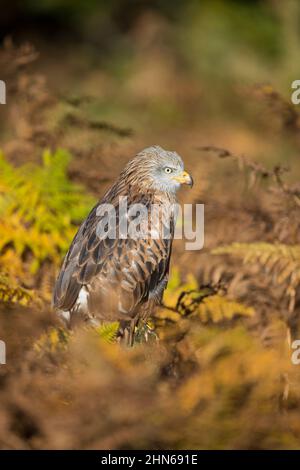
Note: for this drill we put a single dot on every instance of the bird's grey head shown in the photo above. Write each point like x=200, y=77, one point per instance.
x=158, y=169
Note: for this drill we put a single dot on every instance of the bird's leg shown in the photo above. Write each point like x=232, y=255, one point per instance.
x=122, y=331
x=127, y=331
x=131, y=330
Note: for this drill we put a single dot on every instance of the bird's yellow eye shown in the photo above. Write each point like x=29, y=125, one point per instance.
x=168, y=170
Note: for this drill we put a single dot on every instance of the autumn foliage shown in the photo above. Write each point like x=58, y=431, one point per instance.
x=212, y=369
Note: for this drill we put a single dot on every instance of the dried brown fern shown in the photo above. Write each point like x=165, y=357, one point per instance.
x=281, y=262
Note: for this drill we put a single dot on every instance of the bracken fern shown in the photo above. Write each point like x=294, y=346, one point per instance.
x=281, y=261
x=208, y=303
x=39, y=207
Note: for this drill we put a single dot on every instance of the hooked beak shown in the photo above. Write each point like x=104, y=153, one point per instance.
x=184, y=178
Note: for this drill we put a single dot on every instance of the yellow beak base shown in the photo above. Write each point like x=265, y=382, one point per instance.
x=184, y=178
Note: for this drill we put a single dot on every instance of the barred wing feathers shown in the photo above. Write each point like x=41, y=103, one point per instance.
x=134, y=269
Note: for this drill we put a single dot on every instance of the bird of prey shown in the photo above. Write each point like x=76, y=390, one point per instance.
x=107, y=276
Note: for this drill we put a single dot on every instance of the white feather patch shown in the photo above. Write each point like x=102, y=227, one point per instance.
x=82, y=299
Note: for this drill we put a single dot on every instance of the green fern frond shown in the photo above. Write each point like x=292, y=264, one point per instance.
x=108, y=331
x=39, y=207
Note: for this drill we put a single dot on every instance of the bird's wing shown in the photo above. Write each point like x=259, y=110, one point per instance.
x=138, y=266
x=68, y=283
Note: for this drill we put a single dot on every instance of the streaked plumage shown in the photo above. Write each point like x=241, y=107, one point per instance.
x=122, y=279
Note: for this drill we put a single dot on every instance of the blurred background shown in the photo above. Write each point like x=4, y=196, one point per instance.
x=89, y=84
x=183, y=72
